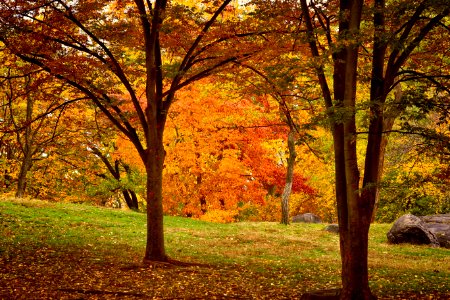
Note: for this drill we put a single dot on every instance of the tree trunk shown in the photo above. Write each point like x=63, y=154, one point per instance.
x=353, y=212
x=155, y=250
x=356, y=205
x=26, y=149
x=130, y=199
x=128, y=194
x=354, y=252
x=289, y=178
x=353, y=227
x=22, y=178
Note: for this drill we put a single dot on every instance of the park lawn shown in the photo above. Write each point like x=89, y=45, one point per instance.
x=78, y=251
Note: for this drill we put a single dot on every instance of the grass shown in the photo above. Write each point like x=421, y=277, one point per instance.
x=76, y=251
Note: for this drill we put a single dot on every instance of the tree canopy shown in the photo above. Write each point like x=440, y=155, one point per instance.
x=219, y=110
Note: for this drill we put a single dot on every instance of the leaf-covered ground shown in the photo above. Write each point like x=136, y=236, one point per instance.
x=50, y=251
x=77, y=274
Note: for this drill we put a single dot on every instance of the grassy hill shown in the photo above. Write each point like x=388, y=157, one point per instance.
x=74, y=251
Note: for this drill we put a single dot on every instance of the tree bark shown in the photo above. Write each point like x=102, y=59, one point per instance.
x=130, y=199
x=289, y=178
x=354, y=254
x=353, y=212
x=154, y=163
x=26, y=144
x=22, y=178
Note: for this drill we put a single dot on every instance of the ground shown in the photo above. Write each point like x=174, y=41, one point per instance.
x=73, y=251
x=79, y=274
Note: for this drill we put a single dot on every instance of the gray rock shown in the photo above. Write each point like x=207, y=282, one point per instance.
x=306, y=218
x=442, y=218
x=411, y=229
x=334, y=228
x=439, y=225
x=441, y=232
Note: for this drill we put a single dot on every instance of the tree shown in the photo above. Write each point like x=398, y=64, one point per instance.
x=276, y=76
x=33, y=114
x=124, y=54
x=393, y=47
x=223, y=160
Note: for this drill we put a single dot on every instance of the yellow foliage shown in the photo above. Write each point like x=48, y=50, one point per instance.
x=220, y=216
x=271, y=210
x=320, y=174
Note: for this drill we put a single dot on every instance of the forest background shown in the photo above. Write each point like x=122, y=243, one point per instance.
x=226, y=138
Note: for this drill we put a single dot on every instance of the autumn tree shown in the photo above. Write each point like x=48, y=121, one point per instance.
x=119, y=53
x=279, y=83
x=399, y=32
x=221, y=162
x=277, y=74
x=34, y=108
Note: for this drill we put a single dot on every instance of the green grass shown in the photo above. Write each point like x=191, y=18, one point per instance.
x=298, y=257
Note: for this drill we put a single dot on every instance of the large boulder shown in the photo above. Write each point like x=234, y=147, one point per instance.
x=439, y=225
x=306, y=218
x=411, y=229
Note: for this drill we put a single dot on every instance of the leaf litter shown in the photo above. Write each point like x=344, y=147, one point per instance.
x=50, y=273
x=80, y=273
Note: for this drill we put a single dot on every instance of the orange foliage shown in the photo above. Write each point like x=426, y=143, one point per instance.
x=216, y=163
x=126, y=152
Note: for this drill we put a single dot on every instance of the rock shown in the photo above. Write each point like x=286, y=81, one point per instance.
x=441, y=232
x=411, y=229
x=439, y=225
x=442, y=218
x=306, y=218
x=334, y=228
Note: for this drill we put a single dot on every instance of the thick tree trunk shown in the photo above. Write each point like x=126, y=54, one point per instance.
x=356, y=205
x=289, y=178
x=354, y=213
x=155, y=250
x=354, y=253
x=354, y=216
